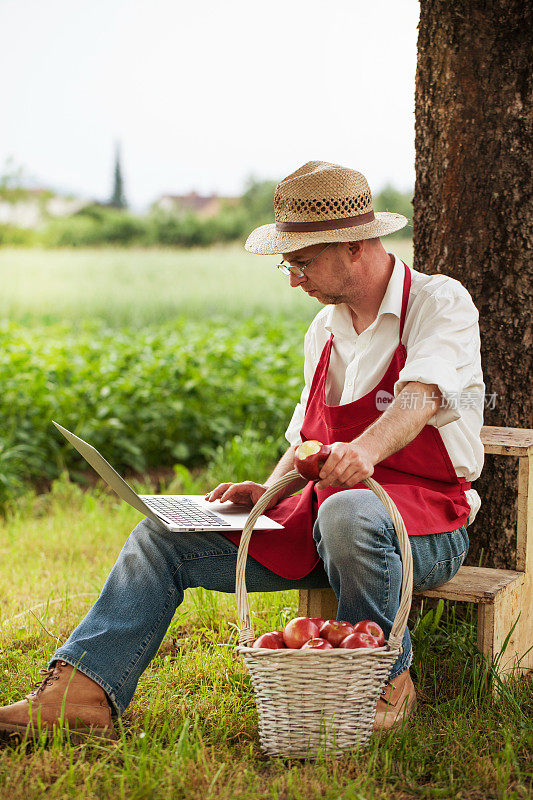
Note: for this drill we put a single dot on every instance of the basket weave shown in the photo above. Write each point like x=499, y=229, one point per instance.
x=311, y=701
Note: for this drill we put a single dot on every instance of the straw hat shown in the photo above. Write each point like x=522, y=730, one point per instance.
x=321, y=202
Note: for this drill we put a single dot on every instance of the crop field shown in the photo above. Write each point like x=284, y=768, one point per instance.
x=147, y=287
x=192, y=361
x=143, y=287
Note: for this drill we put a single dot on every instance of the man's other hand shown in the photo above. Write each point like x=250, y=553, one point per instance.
x=246, y=493
x=348, y=463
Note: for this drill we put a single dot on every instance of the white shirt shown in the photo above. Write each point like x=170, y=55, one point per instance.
x=441, y=335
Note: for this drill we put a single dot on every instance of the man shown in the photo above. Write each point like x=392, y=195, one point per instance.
x=387, y=362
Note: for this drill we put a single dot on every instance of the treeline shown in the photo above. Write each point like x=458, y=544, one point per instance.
x=99, y=225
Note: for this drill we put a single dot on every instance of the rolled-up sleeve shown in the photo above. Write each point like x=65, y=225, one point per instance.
x=442, y=350
x=292, y=434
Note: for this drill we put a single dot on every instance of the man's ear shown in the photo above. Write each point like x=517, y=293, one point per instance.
x=356, y=250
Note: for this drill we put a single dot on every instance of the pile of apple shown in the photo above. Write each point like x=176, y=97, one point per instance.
x=313, y=633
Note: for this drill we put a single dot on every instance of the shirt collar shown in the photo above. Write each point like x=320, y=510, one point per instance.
x=339, y=319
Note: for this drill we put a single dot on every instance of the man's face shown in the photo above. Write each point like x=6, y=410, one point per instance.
x=330, y=276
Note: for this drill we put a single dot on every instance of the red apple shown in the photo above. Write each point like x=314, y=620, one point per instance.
x=278, y=635
x=318, y=621
x=367, y=626
x=317, y=644
x=356, y=640
x=271, y=640
x=335, y=631
x=309, y=458
x=298, y=631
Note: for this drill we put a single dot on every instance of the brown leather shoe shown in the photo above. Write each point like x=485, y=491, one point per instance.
x=396, y=702
x=64, y=693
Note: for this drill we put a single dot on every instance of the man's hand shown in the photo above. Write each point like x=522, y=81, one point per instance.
x=247, y=493
x=348, y=464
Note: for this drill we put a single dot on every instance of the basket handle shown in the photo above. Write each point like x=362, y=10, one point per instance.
x=246, y=634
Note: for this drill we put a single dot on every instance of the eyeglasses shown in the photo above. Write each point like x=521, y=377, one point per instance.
x=299, y=272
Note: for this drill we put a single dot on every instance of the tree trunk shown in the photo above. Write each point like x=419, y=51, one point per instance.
x=472, y=211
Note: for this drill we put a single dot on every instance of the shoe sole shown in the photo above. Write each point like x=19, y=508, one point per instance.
x=33, y=732
x=399, y=721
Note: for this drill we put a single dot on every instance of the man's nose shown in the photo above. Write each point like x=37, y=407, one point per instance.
x=296, y=280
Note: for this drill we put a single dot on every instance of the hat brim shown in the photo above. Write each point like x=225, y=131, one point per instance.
x=267, y=241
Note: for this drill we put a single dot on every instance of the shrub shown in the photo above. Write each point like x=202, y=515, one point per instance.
x=71, y=232
x=189, y=230
x=391, y=199
x=10, y=235
x=95, y=227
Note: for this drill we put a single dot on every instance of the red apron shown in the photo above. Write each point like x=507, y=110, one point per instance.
x=420, y=477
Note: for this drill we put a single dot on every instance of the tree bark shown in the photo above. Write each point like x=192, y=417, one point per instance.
x=473, y=212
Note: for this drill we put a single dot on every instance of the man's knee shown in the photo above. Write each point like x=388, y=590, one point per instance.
x=146, y=529
x=349, y=521
x=146, y=539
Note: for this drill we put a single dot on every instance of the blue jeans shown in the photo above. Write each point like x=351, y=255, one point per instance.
x=360, y=555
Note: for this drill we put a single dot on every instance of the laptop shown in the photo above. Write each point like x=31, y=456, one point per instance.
x=177, y=513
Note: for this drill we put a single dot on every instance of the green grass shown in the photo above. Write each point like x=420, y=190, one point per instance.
x=141, y=287
x=191, y=729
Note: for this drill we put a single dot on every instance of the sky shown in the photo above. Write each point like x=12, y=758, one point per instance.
x=204, y=95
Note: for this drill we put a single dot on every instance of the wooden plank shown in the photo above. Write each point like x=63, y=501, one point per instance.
x=507, y=441
x=317, y=603
x=485, y=629
x=475, y=585
x=524, y=519
x=471, y=584
x=514, y=606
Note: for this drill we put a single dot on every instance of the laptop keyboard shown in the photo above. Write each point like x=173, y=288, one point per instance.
x=184, y=512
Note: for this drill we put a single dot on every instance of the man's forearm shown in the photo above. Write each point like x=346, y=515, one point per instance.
x=349, y=463
x=285, y=465
x=403, y=420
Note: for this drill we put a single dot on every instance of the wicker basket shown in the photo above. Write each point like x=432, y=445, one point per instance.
x=311, y=701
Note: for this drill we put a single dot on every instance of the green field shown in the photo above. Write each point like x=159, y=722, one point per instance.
x=142, y=287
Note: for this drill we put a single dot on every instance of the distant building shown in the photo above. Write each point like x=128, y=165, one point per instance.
x=203, y=206
x=30, y=208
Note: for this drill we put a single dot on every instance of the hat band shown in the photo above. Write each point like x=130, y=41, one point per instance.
x=326, y=224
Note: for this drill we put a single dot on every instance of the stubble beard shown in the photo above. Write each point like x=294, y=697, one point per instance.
x=330, y=300
x=342, y=297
